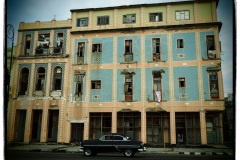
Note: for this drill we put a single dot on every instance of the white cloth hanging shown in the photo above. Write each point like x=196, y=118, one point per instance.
x=158, y=96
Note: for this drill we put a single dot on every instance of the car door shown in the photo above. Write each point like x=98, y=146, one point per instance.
x=106, y=143
x=118, y=143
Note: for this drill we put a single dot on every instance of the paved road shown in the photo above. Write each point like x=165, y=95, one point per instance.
x=20, y=155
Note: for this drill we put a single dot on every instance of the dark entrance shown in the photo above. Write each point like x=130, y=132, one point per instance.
x=36, y=125
x=53, y=125
x=20, y=125
x=77, y=132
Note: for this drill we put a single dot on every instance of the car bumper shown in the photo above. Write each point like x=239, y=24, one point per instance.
x=142, y=149
x=80, y=149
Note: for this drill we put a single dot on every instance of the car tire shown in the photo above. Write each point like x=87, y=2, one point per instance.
x=88, y=152
x=129, y=153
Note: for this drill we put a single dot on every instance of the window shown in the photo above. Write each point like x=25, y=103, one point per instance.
x=182, y=15
x=213, y=77
x=57, y=79
x=157, y=88
x=59, y=44
x=104, y=20
x=156, y=49
x=180, y=43
x=43, y=44
x=129, y=18
x=27, y=44
x=117, y=138
x=211, y=53
x=40, y=79
x=96, y=84
x=182, y=82
x=209, y=123
x=128, y=87
x=128, y=51
x=80, y=52
x=97, y=47
x=23, y=84
x=155, y=17
x=82, y=22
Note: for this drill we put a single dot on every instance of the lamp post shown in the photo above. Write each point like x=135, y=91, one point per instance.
x=10, y=35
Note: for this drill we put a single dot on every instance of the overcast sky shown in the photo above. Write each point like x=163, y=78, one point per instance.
x=45, y=10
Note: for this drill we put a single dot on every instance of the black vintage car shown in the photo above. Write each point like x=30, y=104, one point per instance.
x=112, y=143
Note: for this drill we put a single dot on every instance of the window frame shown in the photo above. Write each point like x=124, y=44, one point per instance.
x=96, y=83
x=152, y=17
x=57, y=76
x=182, y=15
x=182, y=82
x=103, y=20
x=21, y=84
x=213, y=84
x=128, y=92
x=211, y=50
x=156, y=56
x=180, y=43
x=83, y=19
x=129, y=18
x=27, y=46
x=38, y=78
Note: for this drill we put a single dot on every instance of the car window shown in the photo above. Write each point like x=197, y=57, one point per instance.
x=118, y=137
x=106, y=138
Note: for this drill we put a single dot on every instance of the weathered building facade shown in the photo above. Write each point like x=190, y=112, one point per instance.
x=152, y=71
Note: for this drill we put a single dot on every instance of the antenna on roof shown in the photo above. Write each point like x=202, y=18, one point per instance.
x=54, y=17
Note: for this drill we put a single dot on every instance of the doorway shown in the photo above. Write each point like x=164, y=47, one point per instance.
x=36, y=125
x=20, y=121
x=53, y=116
x=77, y=130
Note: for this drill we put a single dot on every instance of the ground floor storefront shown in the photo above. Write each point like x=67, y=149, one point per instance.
x=151, y=127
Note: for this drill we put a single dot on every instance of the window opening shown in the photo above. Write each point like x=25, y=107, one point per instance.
x=96, y=84
x=182, y=82
x=82, y=22
x=211, y=52
x=156, y=49
x=157, y=95
x=80, y=52
x=180, y=43
x=43, y=44
x=182, y=15
x=129, y=18
x=104, y=20
x=40, y=79
x=214, y=91
x=128, y=87
x=128, y=51
x=155, y=17
x=27, y=44
x=57, y=79
x=97, y=47
x=24, y=81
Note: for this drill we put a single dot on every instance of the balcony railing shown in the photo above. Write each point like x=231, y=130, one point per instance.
x=51, y=51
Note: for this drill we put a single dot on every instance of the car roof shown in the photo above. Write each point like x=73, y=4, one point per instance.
x=117, y=134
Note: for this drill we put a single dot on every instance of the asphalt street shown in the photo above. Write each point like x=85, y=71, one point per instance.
x=20, y=155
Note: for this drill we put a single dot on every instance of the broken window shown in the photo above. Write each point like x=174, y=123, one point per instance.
x=27, y=44
x=40, y=79
x=82, y=22
x=57, y=79
x=155, y=17
x=211, y=52
x=213, y=80
x=156, y=49
x=129, y=18
x=97, y=47
x=128, y=87
x=157, y=88
x=180, y=43
x=80, y=52
x=103, y=20
x=182, y=82
x=43, y=44
x=96, y=84
x=23, y=86
x=182, y=15
x=79, y=86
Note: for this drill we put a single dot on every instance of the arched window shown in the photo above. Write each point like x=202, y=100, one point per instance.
x=23, y=81
x=40, y=80
x=57, y=79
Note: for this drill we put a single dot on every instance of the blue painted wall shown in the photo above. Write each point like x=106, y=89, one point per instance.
x=75, y=50
x=192, y=88
x=107, y=50
x=189, y=49
x=203, y=44
x=136, y=48
x=106, y=77
x=165, y=83
x=163, y=46
x=137, y=89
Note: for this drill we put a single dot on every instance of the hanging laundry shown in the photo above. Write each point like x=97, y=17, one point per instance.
x=158, y=96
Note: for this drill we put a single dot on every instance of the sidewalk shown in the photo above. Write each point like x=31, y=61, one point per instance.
x=44, y=147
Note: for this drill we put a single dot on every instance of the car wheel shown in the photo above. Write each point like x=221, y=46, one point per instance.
x=129, y=153
x=88, y=152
